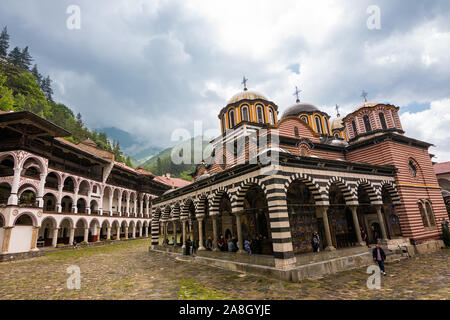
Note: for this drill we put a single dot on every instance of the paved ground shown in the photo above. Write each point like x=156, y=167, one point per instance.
x=128, y=271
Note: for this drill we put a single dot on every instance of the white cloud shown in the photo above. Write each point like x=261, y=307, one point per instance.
x=431, y=125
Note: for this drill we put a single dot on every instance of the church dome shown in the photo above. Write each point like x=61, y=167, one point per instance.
x=246, y=95
x=299, y=108
x=367, y=104
x=337, y=124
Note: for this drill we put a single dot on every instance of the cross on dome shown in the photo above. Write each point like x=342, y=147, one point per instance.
x=244, y=82
x=364, y=95
x=296, y=93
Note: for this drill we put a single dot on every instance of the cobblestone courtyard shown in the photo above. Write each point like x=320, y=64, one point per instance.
x=127, y=270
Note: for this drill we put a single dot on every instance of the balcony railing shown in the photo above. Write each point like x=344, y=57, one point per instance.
x=28, y=204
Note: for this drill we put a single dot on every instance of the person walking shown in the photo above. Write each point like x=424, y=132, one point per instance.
x=247, y=247
x=231, y=247
x=221, y=243
x=364, y=235
x=315, y=242
x=379, y=256
x=188, y=246
x=194, y=247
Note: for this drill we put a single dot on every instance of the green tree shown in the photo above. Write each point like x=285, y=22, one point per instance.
x=36, y=74
x=4, y=43
x=15, y=57
x=6, y=95
x=25, y=59
x=46, y=86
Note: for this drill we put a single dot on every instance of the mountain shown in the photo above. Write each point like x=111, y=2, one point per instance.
x=130, y=145
x=162, y=163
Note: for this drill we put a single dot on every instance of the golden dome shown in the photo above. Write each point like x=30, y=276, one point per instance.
x=337, y=124
x=246, y=95
x=367, y=104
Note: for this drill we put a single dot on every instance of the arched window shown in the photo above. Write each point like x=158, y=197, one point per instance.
x=367, y=123
x=412, y=168
x=244, y=113
x=336, y=135
x=423, y=215
x=224, y=123
x=305, y=118
x=393, y=118
x=430, y=214
x=326, y=125
x=296, y=132
x=231, y=119
x=318, y=124
x=260, y=114
x=382, y=120
x=271, y=116
x=355, y=131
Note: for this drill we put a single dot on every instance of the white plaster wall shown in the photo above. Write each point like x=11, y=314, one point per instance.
x=20, y=239
x=2, y=235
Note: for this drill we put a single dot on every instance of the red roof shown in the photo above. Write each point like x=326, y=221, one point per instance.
x=173, y=182
x=443, y=167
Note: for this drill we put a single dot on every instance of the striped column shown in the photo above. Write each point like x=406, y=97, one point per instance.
x=279, y=225
x=155, y=227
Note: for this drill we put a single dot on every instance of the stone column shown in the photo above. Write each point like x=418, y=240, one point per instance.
x=183, y=227
x=164, y=227
x=175, y=231
x=86, y=234
x=111, y=203
x=214, y=217
x=99, y=229
x=6, y=239
x=118, y=233
x=381, y=221
x=140, y=232
x=356, y=224
x=71, y=235
x=146, y=231
x=141, y=207
x=239, y=232
x=40, y=196
x=108, y=233
x=200, y=234
x=126, y=232
x=55, y=237
x=128, y=206
x=13, y=199
x=119, y=204
x=327, y=229
x=34, y=237
x=133, y=232
x=59, y=199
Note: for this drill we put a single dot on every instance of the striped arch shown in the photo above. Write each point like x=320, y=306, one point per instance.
x=200, y=207
x=237, y=202
x=166, y=213
x=215, y=200
x=185, y=209
x=176, y=210
x=156, y=214
x=349, y=197
x=41, y=163
x=310, y=183
x=392, y=189
x=370, y=189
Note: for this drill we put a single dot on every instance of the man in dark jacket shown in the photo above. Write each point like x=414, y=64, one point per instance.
x=379, y=256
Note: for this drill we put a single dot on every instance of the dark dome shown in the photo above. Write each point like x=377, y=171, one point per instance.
x=298, y=109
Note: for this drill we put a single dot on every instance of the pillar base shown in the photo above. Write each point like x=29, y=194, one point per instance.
x=362, y=244
x=241, y=251
x=201, y=249
x=330, y=248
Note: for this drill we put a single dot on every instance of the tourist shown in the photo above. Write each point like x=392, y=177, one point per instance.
x=315, y=242
x=379, y=256
x=231, y=246
x=188, y=246
x=221, y=243
x=364, y=235
x=209, y=244
x=236, y=244
x=374, y=234
x=247, y=247
x=194, y=247
x=173, y=241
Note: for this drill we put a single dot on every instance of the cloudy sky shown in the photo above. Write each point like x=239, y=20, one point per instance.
x=150, y=67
